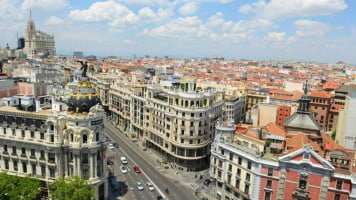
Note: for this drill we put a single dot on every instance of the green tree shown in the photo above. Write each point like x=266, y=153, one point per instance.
x=71, y=188
x=16, y=187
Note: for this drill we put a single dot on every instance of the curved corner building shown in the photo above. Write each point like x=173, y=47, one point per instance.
x=57, y=142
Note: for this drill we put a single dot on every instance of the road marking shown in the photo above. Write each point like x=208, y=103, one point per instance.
x=158, y=190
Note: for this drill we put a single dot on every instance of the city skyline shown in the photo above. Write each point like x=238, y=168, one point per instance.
x=319, y=30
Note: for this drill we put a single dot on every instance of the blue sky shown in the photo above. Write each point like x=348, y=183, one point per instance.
x=304, y=30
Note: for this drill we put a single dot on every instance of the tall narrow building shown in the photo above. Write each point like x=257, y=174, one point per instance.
x=37, y=43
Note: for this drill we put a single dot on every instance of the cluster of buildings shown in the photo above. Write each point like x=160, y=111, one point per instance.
x=267, y=130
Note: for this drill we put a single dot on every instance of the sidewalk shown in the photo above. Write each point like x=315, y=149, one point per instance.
x=193, y=180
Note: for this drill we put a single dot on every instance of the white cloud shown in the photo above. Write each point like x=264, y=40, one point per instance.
x=218, y=23
x=189, y=8
x=54, y=21
x=44, y=5
x=276, y=36
x=118, y=16
x=128, y=41
x=146, y=14
x=311, y=28
x=253, y=25
x=276, y=9
x=188, y=27
x=146, y=2
x=8, y=10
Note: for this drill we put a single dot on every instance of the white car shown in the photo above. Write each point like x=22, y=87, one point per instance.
x=111, y=146
x=150, y=186
x=123, y=169
x=139, y=185
x=123, y=160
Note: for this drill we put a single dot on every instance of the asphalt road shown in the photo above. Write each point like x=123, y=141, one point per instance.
x=150, y=171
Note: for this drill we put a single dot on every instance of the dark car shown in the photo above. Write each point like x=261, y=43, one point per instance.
x=160, y=198
x=110, y=162
x=116, y=145
x=207, y=182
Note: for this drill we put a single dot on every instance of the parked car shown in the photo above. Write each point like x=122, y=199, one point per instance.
x=150, y=186
x=207, y=182
x=137, y=169
x=139, y=185
x=111, y=146
x=123, y=160
x=123, y=169
x=160, y=197
x=110, y=162
x=116, y=145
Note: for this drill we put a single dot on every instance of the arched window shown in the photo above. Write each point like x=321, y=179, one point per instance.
x=302, y=184
x=85, y=138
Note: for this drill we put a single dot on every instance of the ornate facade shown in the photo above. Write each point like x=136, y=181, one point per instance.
x=37, y=43
x=54, y=143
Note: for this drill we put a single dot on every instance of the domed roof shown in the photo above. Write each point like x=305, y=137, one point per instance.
x=82, y=98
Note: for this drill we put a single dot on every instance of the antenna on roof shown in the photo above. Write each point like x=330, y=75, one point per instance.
x=30, y=14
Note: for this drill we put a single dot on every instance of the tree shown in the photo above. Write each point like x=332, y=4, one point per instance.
x=71, y=188
x=16, y=187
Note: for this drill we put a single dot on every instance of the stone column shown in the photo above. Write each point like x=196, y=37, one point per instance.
x=66, y=172
x=91, y=165
x=78, y=166
x=95, y=165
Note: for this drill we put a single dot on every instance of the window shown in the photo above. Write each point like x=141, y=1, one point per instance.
x=5, y=148
x=190, y=141
x=22, y=133
x=306, y=156
x=6, y=164
x=15, y=165
x=23, y=151
x=43, y=171
x=231, y=156
x=337, y=197
x=248, y=177
x=181, y=140
x=247, y=188
x=222, y=152
x=13, y=150
x=269, y=184
x=42, y=136
x=237, y=183
x=302, y=184
x=219, y=174
x=230, y=168
x=240, y=161
x=249, y=164
x=270, y=172
x=42, y=155
x=33, y=169
x=268, y=195
x=32, y=134
x=238, y=172
x=51, y=173
x=85, y=138
x=52, y=138
x=97, y=136
x=339, y=184
x=24, y=167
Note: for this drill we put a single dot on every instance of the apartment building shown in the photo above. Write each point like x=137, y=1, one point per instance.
x=243, y=166
x=67, y=140
x=181, y=122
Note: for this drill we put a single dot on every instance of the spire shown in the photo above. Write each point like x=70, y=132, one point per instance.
x=306, y=87
x=304, y=101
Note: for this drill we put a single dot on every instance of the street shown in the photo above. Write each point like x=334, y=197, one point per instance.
x=150, y=172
